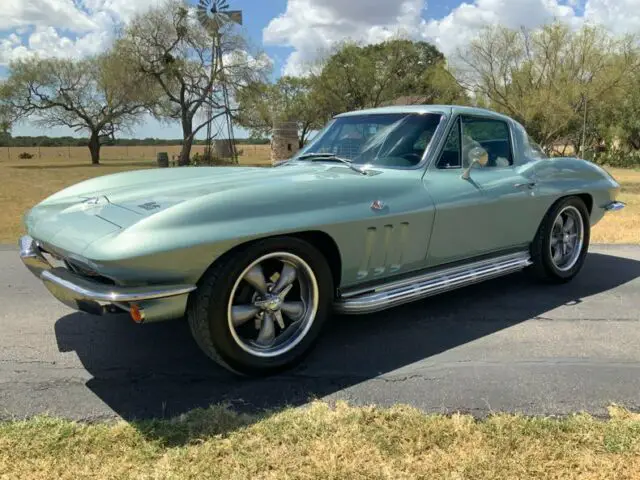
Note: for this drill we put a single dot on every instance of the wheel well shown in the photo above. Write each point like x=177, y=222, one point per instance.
x=320, y=240
x=329, y=249
x=588, y=201
x=585, y=197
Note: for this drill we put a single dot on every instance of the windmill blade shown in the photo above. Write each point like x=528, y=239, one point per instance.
x=203, y=4
x=235, y=16
x=223, y=5
x=203, y=18
x=201, y=11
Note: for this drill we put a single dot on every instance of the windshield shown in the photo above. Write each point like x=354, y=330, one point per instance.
x=385, y=139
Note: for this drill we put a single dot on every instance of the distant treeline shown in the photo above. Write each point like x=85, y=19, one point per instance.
x=44, y=141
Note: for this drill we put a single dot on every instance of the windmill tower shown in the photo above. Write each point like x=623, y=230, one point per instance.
x=213, y=15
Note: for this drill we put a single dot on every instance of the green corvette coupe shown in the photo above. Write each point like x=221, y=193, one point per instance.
x=383, y=207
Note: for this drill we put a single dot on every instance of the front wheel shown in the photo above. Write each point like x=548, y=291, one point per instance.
x=560, y=247
x=261, y=309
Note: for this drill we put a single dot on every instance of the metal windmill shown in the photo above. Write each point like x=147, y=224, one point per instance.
x=213, y=15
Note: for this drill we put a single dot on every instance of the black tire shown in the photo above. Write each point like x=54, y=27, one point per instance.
x=207, y=312
x=544, y=266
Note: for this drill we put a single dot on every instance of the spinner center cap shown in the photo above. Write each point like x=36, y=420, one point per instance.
x=271, y=303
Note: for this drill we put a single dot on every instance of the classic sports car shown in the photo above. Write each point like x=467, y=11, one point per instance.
x=382, y=207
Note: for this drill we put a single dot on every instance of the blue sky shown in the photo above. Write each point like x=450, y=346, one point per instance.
x=293, y=33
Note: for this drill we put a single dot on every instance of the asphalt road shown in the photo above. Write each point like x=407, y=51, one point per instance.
x=505, y=345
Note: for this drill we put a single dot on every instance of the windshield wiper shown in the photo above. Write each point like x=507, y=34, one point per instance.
x=318, y=156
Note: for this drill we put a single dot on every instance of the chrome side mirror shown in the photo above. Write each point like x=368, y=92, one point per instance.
x=477, y=156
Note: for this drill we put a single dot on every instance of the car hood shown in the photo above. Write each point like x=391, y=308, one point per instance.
x=76, y=216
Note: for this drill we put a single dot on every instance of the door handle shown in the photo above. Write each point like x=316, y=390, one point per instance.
x=526, y=184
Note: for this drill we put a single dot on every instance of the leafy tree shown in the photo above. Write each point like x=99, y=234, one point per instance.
x=170, y=47
x=261, y=104
x=559, y=83
x=99, y=95
x=627, y=115
x=5, y=122
x=357, y=77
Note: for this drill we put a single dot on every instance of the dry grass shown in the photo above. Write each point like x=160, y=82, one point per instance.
x=26, y=182
x=329, y=443
x=23, y=183
x=81, y=154
x=622, y=226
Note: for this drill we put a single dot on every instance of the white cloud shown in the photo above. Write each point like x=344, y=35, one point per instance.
x=311, y=27
x=621, y=16
x=122, y=10
x=62, y=28
x=55, y=13
x=465, y=21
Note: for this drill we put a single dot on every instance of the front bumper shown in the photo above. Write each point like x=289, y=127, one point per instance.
x=91, y=296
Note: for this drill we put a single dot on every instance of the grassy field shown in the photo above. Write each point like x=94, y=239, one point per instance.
x=81, y=154
x=26, y=182
x=622, y=226
x=325, y=442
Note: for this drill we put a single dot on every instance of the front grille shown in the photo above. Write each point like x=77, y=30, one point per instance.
x=83, y=271
x=57, y=259
x=80, y=269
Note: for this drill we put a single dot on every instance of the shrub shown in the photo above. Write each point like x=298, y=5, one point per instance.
x=25, y=155
x=618, y=158
x=208, y=159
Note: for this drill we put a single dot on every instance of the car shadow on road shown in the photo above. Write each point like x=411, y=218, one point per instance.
x=156, y=370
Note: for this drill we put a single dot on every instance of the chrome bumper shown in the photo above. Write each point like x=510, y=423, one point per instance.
x=86, y=295
x=614, y=206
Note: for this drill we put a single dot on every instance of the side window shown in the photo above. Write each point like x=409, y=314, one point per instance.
x=534, y=150
x=450, y=156
x=492, y=135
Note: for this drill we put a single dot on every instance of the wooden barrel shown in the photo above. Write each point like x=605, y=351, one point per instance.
x=163, y=159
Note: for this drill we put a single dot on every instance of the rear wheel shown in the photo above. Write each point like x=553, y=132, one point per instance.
x=260, y=310
x=560, y=247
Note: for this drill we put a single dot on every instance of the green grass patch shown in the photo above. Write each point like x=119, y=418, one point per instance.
x=320, y=441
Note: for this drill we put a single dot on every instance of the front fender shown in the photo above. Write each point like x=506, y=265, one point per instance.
x=180, y=243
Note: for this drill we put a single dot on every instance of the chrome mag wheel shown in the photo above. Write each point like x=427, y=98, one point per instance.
x=273, y=304
x=567, y=236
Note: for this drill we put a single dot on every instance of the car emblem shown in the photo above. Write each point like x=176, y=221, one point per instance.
x=377, y=205
x=95, y=200
x=149, y=206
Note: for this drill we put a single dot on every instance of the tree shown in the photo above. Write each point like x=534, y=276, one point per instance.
x=100, y=95
x=626, y=115
x=559, y=83
x=5, y=122
x=357, y=77
x=169, y=46
x=261, y=104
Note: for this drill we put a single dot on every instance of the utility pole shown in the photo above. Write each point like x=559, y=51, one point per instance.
x=584, y=125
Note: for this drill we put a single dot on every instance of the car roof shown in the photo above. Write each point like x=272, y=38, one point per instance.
x=450, y=109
